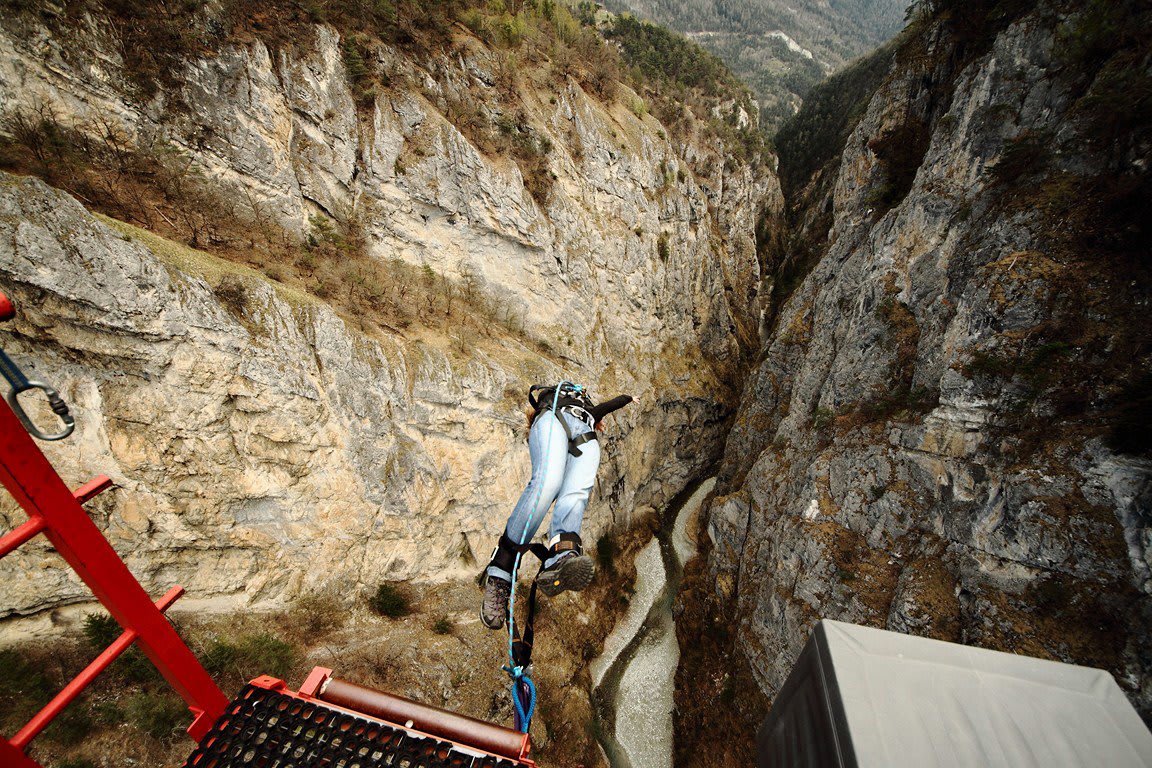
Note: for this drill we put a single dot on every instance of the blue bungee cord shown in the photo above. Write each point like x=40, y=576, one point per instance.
x=521, y=680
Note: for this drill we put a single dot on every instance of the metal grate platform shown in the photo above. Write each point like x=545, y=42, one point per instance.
x=268, y=729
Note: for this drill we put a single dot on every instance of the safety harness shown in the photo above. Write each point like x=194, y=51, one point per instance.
x=571, y=399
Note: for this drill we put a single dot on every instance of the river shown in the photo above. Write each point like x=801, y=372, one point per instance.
x=634, y=678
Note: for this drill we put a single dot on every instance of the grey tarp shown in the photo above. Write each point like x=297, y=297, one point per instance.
x=864, y=697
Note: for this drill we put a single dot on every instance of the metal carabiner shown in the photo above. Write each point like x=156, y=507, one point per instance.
x=21, y=383
x=59, y=407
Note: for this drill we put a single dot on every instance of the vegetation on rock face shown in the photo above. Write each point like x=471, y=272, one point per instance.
x=444, y=657
x=157, y=40
x=678, y=72
x=1093, y=226
x=156, y=187
x=1086, y=366
x=815, y=137
x=791, y=241
x=390, y=600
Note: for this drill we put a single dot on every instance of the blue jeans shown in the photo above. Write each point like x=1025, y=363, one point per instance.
x=557, y=476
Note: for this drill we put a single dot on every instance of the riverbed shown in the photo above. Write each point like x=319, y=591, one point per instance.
x=634, y=678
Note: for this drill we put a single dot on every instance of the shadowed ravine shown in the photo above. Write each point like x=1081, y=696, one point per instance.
x=634, y=678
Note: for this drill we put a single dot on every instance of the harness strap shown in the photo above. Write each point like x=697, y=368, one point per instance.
x=522, y=643
x=575, y=443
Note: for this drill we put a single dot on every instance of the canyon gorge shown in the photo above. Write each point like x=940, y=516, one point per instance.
x=295, y=271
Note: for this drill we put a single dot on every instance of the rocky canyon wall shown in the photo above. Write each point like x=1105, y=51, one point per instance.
x=266, y=442
x=939, y=439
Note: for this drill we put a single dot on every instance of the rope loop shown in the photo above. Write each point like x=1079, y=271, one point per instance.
x=522, y=688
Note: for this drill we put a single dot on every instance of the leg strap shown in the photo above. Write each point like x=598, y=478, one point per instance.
x=575, y=443
x=566, y=542
x=504, y=556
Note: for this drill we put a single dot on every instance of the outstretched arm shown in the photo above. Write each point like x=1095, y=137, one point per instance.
x=603, y=409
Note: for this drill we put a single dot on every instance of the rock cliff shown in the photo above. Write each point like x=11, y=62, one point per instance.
x=939, y=437
x=266, y=441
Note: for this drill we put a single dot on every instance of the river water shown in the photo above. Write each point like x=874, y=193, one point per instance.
x=634, y=679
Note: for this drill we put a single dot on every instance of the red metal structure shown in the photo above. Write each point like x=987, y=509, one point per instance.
x=57, y=512
x=328, y=722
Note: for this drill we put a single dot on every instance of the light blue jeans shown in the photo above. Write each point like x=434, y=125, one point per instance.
x=557, y=476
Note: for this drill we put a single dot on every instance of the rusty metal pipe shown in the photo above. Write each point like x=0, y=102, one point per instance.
x=463, y=730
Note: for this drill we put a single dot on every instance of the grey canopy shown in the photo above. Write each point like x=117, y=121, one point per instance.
x=865, y=697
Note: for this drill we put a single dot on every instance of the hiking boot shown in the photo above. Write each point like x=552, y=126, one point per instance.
x=494, y=609
x=572, y=571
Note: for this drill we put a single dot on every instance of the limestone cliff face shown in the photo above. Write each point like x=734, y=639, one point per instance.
x=276, y=446
x=929, y=442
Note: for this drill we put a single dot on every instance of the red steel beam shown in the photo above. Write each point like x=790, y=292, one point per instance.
x=32, y=481
x=85, y=678
x=10, y=757
x=20, y=535
x=471, y=735
x=95, y=486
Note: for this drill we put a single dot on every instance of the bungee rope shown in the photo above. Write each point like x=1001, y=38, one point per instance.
x=523, y=689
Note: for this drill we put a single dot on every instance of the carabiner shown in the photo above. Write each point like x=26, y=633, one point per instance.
x=21, y=383
x=59, y=407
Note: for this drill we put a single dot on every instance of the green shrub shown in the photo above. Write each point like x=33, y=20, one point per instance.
x=101, y=630
x=160, y=715
x=728, y=692
x=904, y=402
x=1023, y=156
x=356, y=54
x=72, y=726
x=607, y=551
x=900, y=151
x=662, y=249
x=822, y=418
x=233, y=294
x=25, y=687
x=318, y=613
x=989, y=364
x=443, y=626
x=76, y=762
x=390, y=600
x=248, y=656
x=1089, y=37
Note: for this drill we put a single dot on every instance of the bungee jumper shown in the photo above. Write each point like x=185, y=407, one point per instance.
x=562, y=442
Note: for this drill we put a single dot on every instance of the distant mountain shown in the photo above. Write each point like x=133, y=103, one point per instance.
x=781, y=48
